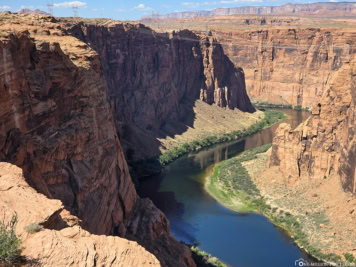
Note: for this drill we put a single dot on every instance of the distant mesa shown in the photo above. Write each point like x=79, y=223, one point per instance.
x=30, y=11
x=315, y=9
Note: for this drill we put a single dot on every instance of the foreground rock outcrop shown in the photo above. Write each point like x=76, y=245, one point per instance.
x=60, y=241
x=325, y=143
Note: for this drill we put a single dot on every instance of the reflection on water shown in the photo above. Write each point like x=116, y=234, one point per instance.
x=238, y=239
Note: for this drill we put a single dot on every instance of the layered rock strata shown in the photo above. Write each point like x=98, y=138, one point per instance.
x=286, y=60
x=58, y=126
x=325, y=143
x=315, y=9
x=154, y=78
x=288, y=66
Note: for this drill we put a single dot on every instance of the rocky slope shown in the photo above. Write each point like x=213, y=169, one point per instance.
x=60, y=241
x=315, y=9
x=325, y=143
x=69, y=89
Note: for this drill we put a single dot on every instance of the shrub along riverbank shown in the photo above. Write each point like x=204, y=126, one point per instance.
x=231, y=185
x=270, y=117
x=204, y=259
x=262, y=104
x=146, y=168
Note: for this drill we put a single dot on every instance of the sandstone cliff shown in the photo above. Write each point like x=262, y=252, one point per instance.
x=60, y=241
x=325, y=143
x=288, y=66
x=286, y=60
x=57, y=125
x=154, y=78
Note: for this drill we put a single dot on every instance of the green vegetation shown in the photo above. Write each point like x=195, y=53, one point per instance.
x=231, y=185
x=33, y=228
x=350, y=258
x=10, y=250
x=263, y=104
x=271, y=117
x=299, y=107
x=204, y=259
x=145, y=168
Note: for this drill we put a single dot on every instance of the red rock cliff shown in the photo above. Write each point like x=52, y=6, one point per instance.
x=153, y=79
x=325, y=143
x=58, y=127
x=288, y=66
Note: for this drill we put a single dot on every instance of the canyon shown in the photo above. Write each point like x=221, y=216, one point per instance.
x=310, y=171
x=81, y=99
x=286, y=60
x=305, y=62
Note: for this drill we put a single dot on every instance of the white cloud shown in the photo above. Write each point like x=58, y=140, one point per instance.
x=70, y=4
x=5, y=7
x=120, y=10
x=143, y=7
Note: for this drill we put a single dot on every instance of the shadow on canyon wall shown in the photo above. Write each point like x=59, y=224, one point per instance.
x=154, y=79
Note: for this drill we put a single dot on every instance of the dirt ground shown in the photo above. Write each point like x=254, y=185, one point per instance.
x=211, y=120
x=326, y=212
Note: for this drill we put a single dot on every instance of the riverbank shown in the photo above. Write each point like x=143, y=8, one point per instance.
x=270, y=117
x=306, y=212
x=264, y=104
x=246, y=124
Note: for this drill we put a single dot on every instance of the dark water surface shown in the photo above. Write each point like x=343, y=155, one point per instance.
x=238, y=239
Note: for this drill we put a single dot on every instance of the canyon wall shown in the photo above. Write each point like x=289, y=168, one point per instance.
x=154, y=79
x=325, y=143
x=73, y=93
x=285, y=61
x=58, y=127
x=288, y=66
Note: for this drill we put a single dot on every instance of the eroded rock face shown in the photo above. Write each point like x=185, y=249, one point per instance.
x=154, y=78
x=288, y=66
x=325, y=143
x=57, y=125
x=70, y=244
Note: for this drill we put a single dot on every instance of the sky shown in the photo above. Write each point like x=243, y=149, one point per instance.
x=134, y=9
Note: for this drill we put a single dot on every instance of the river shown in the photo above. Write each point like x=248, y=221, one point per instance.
x=237, y=239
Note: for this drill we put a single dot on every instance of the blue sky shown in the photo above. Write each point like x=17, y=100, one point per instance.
x=132, y=9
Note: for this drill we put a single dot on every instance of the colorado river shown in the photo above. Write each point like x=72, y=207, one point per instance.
x=238, y=239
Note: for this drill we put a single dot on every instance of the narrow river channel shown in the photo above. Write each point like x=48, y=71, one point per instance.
x=238, y=239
